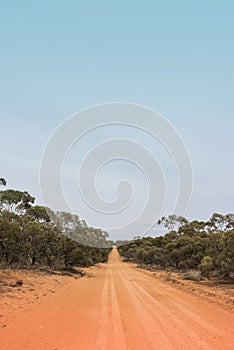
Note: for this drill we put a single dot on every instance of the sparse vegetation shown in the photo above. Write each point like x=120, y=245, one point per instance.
x=193, y=275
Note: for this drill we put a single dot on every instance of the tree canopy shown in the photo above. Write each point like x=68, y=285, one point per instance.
x=34, y=236
x=204, y=246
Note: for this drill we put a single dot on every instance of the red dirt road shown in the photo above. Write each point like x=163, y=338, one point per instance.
x=120, y=308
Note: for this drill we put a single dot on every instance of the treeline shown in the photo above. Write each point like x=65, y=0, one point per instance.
x=207, y=247
x=29, y=237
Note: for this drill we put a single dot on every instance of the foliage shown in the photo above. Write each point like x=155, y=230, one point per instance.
x=29, y=238
x=207, y=247
x=206, y=266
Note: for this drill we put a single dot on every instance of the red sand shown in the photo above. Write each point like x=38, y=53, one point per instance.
x=120, y=307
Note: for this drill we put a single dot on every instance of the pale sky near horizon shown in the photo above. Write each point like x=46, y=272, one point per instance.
x=176, y=57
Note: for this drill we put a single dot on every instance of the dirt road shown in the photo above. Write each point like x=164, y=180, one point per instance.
x=119, y=308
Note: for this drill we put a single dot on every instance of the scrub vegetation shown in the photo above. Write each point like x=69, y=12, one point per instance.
x=189, y=246
x=30, y=238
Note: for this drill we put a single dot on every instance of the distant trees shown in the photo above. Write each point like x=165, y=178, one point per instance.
x=34, y=236
x=29, y=238
x=77, y=230
x=172, y=221
x=205, y=246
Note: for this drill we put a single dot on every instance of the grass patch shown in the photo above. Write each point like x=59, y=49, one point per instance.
x=193, y=275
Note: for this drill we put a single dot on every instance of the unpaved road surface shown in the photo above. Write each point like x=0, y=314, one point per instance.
x=119, y=308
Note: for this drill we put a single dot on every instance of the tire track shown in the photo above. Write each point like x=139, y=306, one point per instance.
x=119, y=337
x=102, y=336
x=110, y=333
x=173, y=307
x=153, y=330
x=170, y=323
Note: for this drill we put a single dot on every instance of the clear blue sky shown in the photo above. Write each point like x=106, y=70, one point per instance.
x=177, y=57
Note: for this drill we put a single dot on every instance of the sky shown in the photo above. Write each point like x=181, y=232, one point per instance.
x=176, y=57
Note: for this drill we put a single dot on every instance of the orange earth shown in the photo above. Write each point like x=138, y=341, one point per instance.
x=116, y=306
